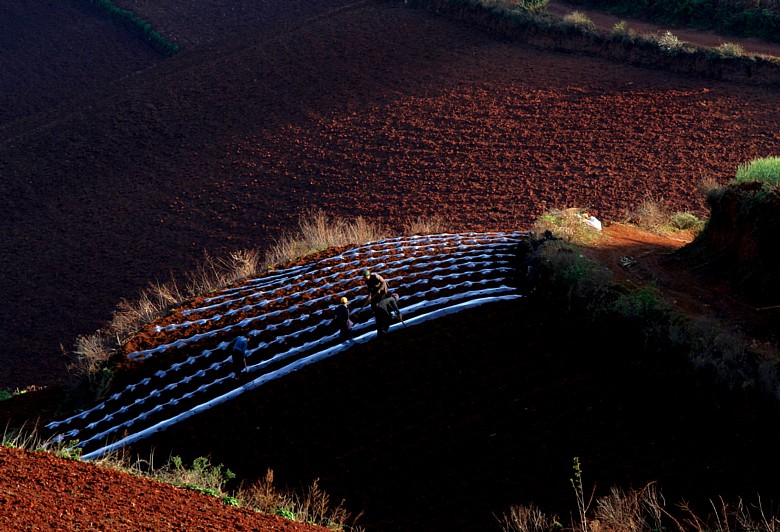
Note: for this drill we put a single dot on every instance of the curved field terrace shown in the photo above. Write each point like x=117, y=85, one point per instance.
x=287, y=317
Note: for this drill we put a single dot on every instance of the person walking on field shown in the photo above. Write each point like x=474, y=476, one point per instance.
x=342, y=320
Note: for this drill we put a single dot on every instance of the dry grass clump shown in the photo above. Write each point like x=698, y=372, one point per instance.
x=654, y=217
x=94, y=352
x=621, y=511
x=317, y=232
x=313, y=506
x=621, y=28
x=579, y=20
x=569, y=225
x=426, y=225
x=730, y=49
x=158, y=298
x=644, y=509
x=528, y=519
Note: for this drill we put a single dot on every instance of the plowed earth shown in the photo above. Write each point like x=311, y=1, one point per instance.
x=373, y=110
x=391, y=113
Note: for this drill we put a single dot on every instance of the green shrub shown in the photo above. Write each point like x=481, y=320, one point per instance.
x=640, y=304
x=5, y=394
x=686, y=221
x=202, y=476
x=561, y=278
x=579, y=20
x=730, y=49
x=669, y=43
x=765, y=171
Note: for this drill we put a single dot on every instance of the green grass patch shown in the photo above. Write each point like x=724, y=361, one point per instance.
x=765, y=171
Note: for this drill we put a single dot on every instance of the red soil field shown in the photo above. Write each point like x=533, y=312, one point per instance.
x=391, y=113
x=355, y=113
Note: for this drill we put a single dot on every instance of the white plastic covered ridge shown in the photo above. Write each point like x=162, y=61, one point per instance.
x=286, y=316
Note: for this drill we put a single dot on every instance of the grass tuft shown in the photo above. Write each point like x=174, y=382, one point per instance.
x=765, y=171
x=654, y=217
x=669, y=44
x=579, y=20
x=730, y=49
x=317, y=232
x=569, y=225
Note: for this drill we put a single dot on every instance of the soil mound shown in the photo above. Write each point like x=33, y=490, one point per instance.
x=740, y=240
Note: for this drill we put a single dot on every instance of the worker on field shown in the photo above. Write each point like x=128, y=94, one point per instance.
x=385, y=311
x=238, y=354
x=377, y=288
x=342, y=321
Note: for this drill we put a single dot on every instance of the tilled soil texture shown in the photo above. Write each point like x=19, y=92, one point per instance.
x=374, y=110
x=71, y=495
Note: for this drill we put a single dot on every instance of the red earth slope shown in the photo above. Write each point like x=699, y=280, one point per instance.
x=374, y=110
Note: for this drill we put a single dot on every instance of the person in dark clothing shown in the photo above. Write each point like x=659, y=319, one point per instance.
x=384, y=314
x=377, y=288
x=342, y=320
x=238, y=353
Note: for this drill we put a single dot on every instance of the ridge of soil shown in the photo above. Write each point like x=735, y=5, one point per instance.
x=368, y=105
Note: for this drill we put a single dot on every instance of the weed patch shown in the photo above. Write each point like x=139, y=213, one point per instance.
x=639, y=509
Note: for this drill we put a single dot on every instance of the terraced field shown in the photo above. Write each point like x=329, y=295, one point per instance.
x=287, y=317
x=375, y=109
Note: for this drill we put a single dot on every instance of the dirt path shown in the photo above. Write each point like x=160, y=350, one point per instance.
x=606, y=21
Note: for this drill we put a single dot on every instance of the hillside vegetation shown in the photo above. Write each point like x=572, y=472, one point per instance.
x=736, y=17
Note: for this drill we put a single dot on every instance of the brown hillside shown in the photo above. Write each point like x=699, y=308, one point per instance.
x=357, y=113
x=375, y=109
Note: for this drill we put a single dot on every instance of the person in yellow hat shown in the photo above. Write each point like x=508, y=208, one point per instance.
x=342, y=321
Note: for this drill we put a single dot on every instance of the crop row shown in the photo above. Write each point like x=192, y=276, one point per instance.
x=286, y=317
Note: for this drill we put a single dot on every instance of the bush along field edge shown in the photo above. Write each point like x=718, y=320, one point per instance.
x=529, y=22
x=733, y=18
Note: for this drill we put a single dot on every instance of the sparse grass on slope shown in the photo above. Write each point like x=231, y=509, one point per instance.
x=312, y=506
x=756, y=19
x=638, y=510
